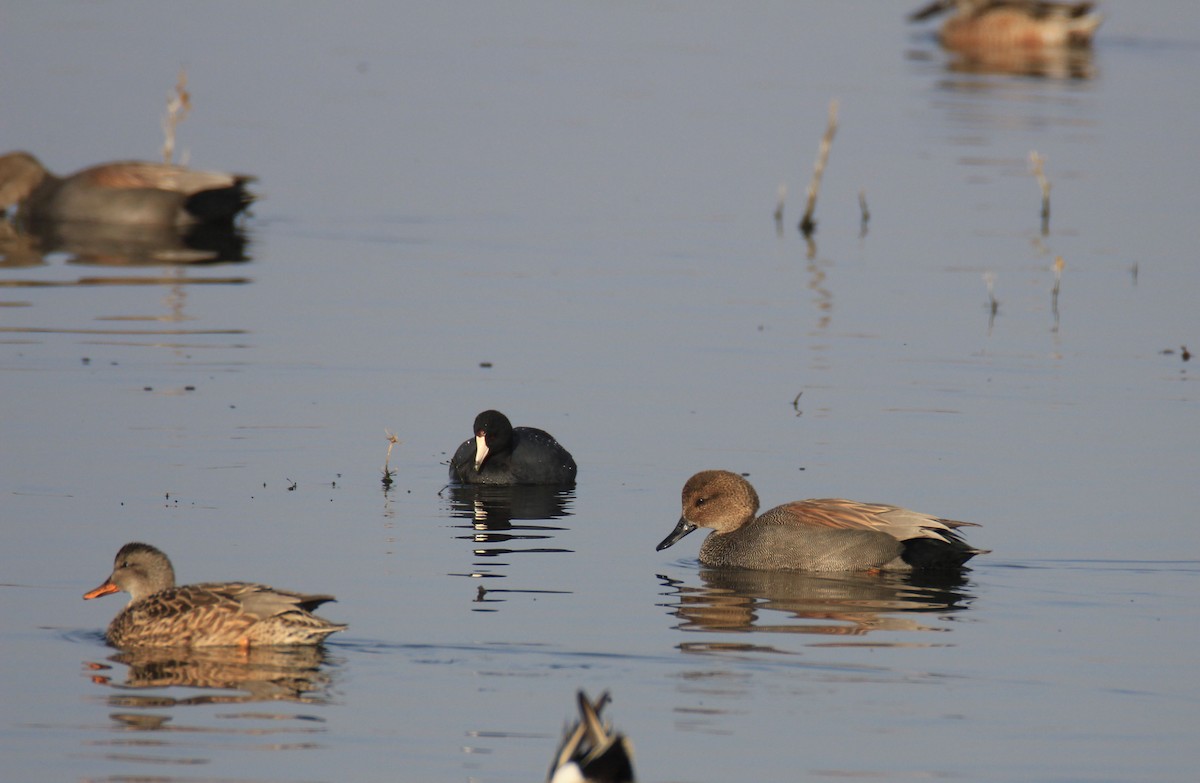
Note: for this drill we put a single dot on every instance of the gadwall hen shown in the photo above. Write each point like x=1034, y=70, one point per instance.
x=829, y=534
x=502, y=454
x=126, y=192
x=590, y=752
x=1028, y=24
x=211, y=614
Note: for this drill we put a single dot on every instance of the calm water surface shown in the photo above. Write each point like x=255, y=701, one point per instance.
x=564, y=212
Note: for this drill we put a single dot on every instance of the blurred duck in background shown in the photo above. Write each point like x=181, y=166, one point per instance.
x=1024, y=24
x=123, y=213
x=125, y=192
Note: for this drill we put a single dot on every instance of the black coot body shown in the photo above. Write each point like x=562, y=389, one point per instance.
x=502, y=454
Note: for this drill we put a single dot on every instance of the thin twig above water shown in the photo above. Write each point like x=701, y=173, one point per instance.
x=807, y=224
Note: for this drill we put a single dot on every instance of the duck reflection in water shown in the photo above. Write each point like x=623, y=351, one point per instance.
x=256, y=674
x=115, y=245
x=492, y=510
x=124, y=213
x=499, y=527
x=1065, y=64
x=99, y=244
x=841, y=604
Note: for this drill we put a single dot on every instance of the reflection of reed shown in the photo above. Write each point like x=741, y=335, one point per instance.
x=823, y=297
x=253, y=674
x=1037, y=167
x=993, y=306
x=824, y=604
x=1058, y=270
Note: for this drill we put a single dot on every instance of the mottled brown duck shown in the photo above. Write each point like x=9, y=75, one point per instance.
x=211, y=614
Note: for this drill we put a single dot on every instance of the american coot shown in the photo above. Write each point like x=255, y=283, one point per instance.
x=502, y=454
x=1016, y=24
x=213, y=614
x=590, y=752
x=813, y=535
x=126, y=192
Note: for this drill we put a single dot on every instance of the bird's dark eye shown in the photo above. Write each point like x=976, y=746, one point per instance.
x=701, y=501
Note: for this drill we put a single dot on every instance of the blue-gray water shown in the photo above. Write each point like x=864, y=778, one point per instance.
x=579, y=197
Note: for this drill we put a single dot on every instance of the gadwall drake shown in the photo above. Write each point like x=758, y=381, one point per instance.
x=590, y=752
x=211, y=614
x=126, y=192
x=1028, y=24
x=502, y=454
x=829, y=534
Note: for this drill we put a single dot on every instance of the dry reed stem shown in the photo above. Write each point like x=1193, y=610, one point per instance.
x=807, y=224
x=388, y=472
x=392, y=441
x=179, y=103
